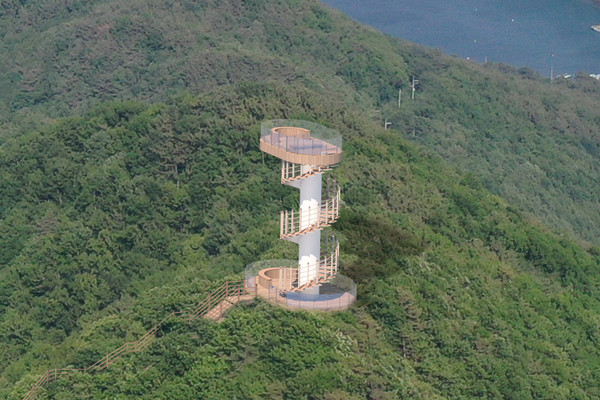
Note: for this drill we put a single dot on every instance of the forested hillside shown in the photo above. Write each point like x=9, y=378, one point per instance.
x=456, y=288
x=531, y=141
x=59, y=60
x=125, y=210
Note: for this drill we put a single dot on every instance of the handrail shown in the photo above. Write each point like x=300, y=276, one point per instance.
x=228, y=291
x=286, y=277
x=328, y=268
x=298, y=222
x=291, y=172
x=329, y=263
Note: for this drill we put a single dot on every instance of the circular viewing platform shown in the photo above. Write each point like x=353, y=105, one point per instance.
x=301, y=142
x=274, y=280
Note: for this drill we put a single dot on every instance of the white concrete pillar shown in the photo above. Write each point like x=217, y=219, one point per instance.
x=309, y=245
x=309, y=250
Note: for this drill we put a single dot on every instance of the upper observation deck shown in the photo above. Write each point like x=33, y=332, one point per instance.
x=301, y=142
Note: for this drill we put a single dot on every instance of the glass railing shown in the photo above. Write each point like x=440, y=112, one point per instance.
x=301, y=137
x=338, y=292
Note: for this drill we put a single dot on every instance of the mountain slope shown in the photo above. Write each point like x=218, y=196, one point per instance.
x=534, y=143
x=529, y=140
x=127, y=210
x=146, y=50
x=460, y=295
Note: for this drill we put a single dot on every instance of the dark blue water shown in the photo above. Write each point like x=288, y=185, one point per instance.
x=540, y=34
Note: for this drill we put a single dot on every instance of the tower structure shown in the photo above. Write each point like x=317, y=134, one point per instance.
x=307, y=151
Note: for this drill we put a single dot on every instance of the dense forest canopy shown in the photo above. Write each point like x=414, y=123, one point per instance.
x=132, y=184
x=531, y=141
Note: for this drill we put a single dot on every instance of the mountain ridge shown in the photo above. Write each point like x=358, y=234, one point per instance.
x=126, y=210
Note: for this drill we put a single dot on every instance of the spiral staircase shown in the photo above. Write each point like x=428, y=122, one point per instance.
x=307, y=152
x=297, y=222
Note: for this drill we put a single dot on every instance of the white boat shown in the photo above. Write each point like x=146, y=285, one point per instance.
x=596, y=28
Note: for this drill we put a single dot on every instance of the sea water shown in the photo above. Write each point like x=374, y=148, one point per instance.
x=545, y=35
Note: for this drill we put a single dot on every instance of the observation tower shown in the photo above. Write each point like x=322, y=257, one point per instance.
x=307, y=151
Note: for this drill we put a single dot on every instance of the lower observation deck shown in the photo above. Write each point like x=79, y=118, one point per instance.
x=296, y=145
x=273, y=280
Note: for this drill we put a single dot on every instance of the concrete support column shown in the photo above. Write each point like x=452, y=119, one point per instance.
x=309, y=245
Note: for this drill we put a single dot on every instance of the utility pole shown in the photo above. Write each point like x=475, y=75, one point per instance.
x=412, y=85
x=399, y=97
x=386, y=124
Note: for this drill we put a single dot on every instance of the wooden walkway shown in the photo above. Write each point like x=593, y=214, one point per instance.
x=213, y=307
x=217, y=313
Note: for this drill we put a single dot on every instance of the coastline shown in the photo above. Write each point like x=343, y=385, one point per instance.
x=483, y=34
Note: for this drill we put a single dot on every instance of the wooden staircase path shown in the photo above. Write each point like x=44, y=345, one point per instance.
x=224, y=298
x=217, y=313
